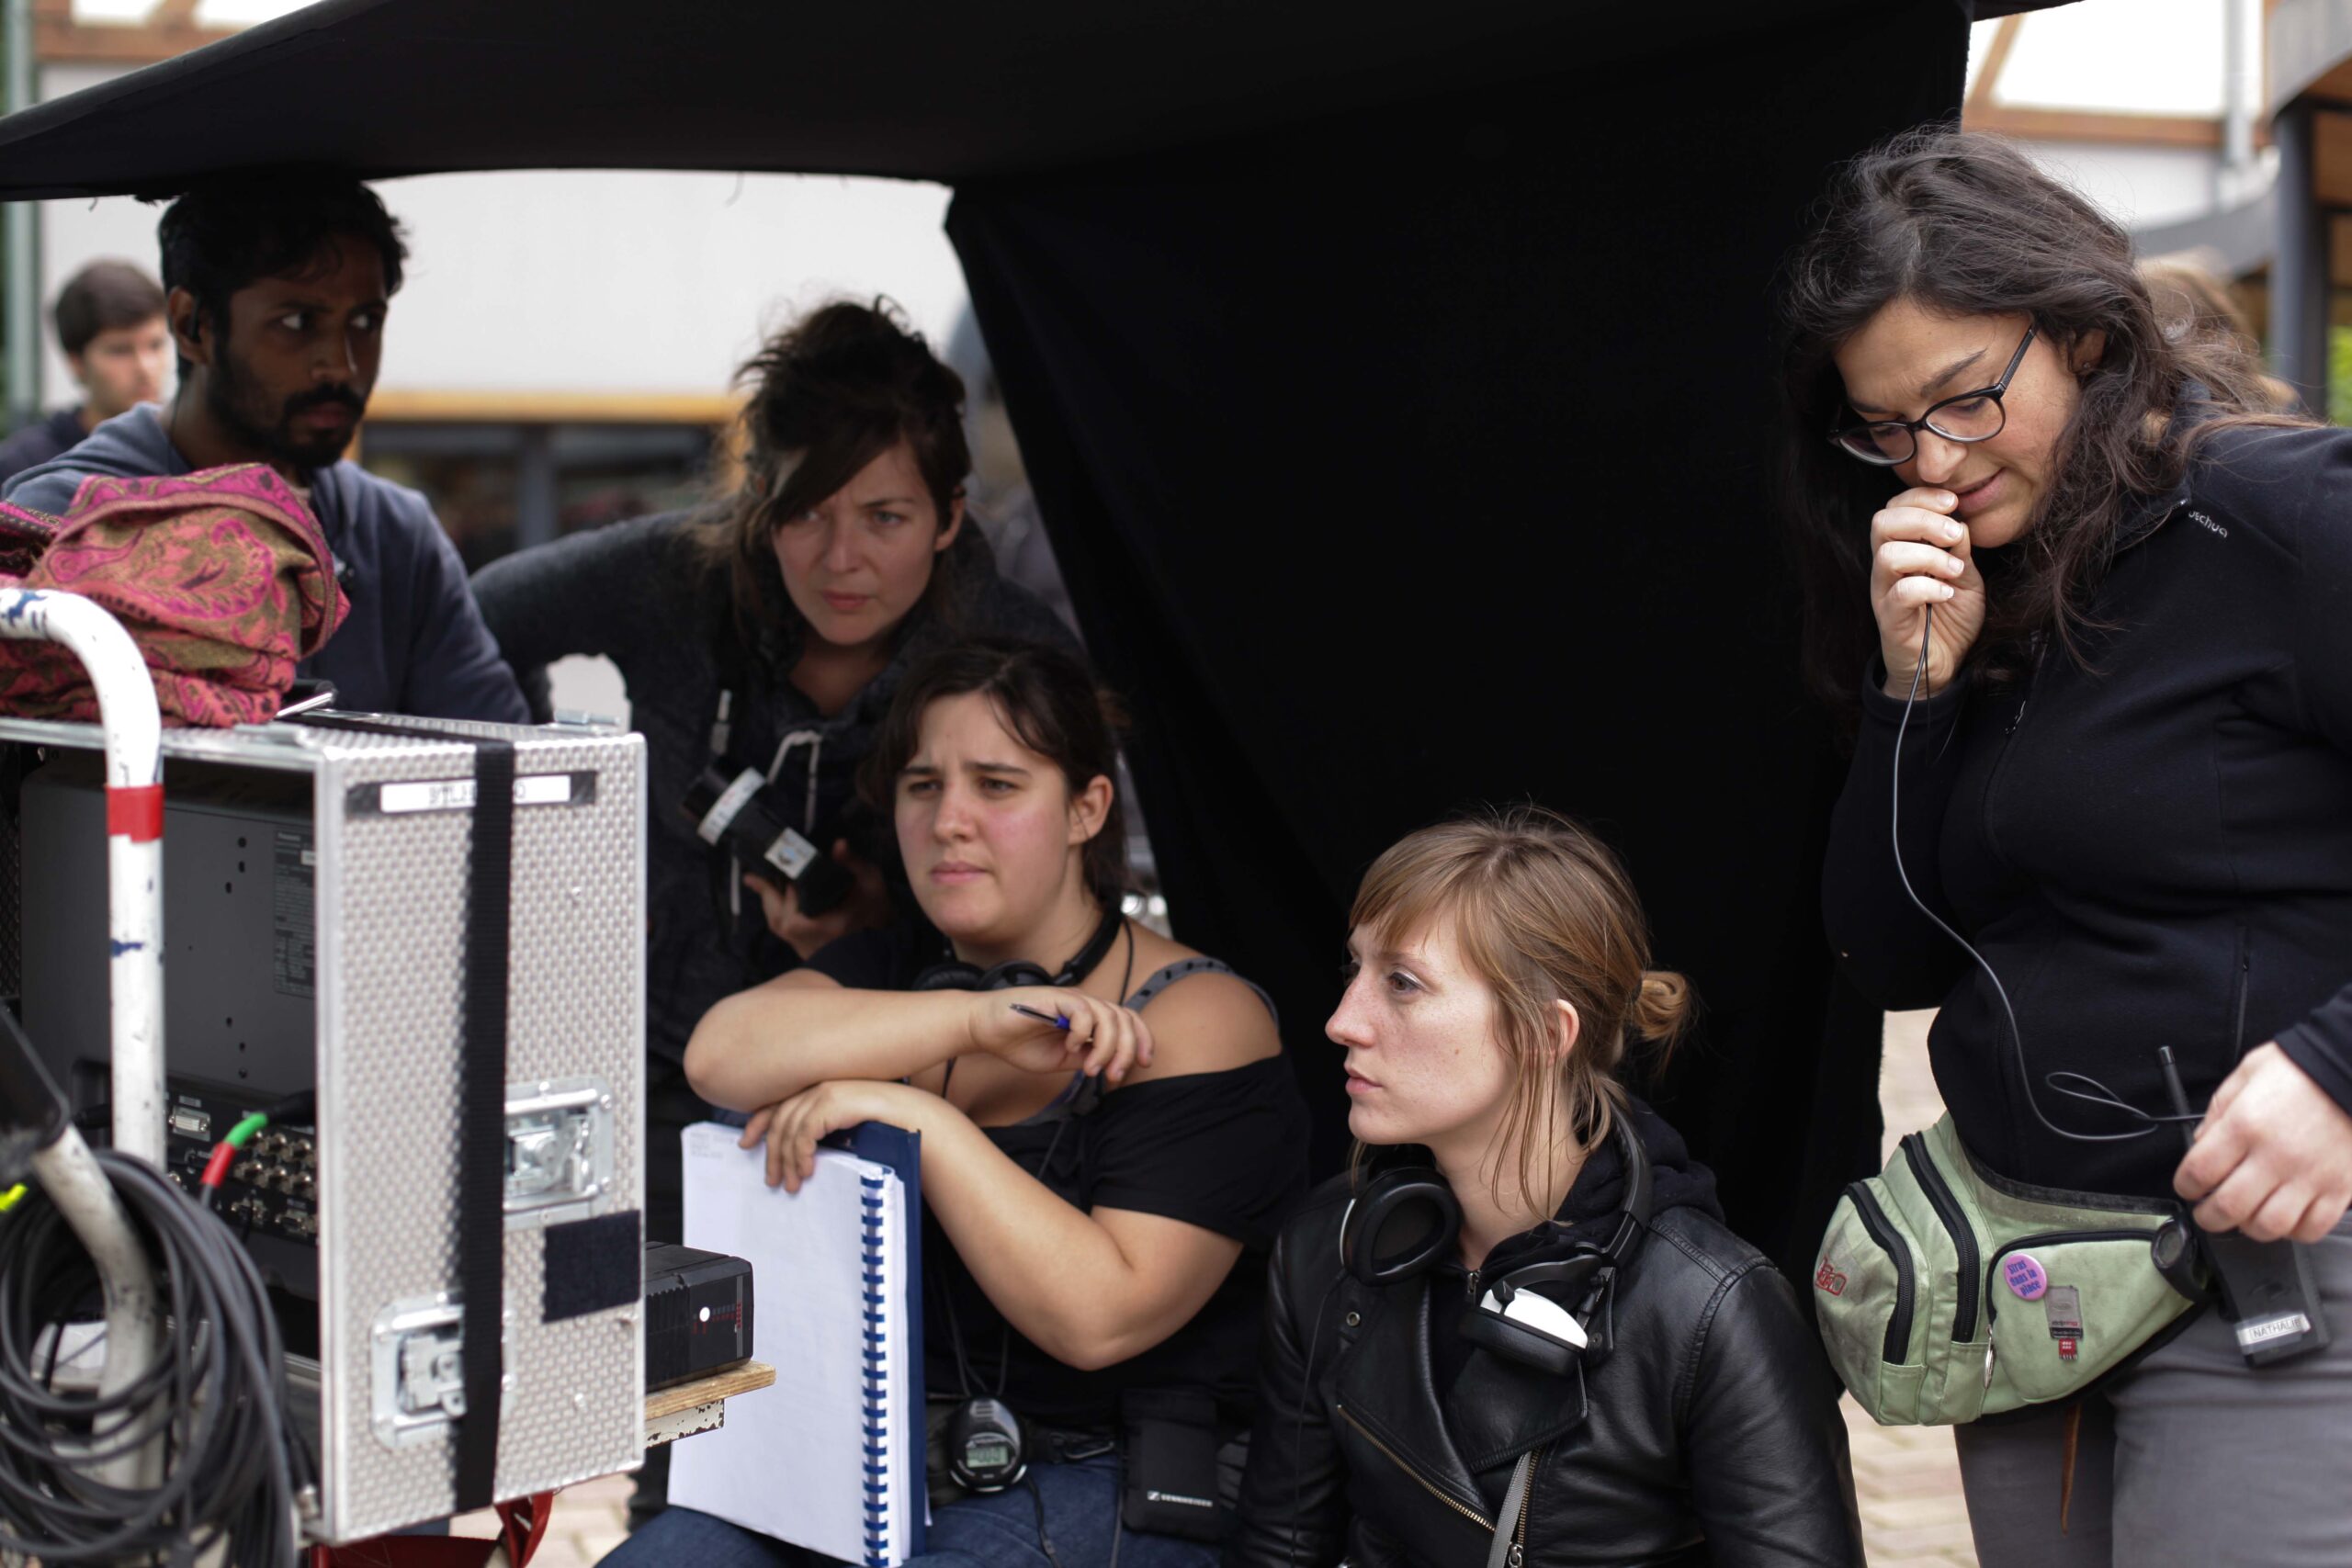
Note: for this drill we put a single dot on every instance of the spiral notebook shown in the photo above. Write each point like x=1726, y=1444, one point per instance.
x=832, y=1457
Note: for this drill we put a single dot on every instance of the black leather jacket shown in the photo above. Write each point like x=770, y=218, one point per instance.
x=1713, y=1434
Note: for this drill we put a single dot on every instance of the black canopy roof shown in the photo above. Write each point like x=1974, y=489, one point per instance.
x=892, y=88
x=1395, y=379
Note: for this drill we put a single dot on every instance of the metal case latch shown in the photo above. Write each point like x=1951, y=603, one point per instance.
x=416, y=1386
x=559, y=1150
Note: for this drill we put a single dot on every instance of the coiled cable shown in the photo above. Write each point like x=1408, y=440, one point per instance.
x=234, y=1469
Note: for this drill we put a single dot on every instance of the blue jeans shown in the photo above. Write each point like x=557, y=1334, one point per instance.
x=1081, y=1502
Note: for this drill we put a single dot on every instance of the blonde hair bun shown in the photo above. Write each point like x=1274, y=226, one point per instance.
x=1662, y=1009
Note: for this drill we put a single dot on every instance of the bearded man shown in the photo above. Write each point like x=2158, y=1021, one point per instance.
x=277, y=285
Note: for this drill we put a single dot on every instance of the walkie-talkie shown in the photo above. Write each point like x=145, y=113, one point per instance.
x=2267, y=1293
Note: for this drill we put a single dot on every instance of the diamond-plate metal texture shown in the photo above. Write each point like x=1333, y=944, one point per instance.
x=390, y=891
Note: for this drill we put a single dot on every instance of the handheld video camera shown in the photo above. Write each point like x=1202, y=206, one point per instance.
x=735, y=807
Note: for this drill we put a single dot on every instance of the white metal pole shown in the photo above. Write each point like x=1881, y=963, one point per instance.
x=134, y=1311
x=133, y=733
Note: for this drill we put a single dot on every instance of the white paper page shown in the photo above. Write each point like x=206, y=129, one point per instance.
x=788, y=1461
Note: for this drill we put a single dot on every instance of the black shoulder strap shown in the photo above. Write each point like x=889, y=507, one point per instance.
x=481, y=1094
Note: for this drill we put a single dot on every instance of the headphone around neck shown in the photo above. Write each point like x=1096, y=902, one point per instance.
x=954, y=974
x=1545, y=1314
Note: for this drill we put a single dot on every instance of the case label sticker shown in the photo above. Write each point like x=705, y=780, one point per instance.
x=2064, y=1309
x=2262, y=1330
x=415, y=796
x=293, y=914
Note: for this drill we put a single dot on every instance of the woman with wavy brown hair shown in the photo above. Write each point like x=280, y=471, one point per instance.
x=767, y=630
x=1518, y=1331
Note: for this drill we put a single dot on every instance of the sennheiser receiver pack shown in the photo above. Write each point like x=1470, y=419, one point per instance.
x=453, y=1238
x=697, y=1312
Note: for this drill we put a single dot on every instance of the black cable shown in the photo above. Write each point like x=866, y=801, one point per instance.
x=1118, y=1501
x=234, y=1469
x=2104, y=1096
x=1045, y=1541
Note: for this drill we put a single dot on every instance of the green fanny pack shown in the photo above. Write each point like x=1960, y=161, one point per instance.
x=1946, y=1292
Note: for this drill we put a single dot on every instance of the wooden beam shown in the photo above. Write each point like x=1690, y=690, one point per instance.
x=427, y=406
x=2089, y=125
x=2331, y=159
x=745, y=1377
x=61, y=40
x=1997, y=55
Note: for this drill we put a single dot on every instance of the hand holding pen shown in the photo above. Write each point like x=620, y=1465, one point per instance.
x=1046, y=1029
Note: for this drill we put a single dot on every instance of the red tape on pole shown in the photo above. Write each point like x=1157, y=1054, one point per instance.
x=137, y=810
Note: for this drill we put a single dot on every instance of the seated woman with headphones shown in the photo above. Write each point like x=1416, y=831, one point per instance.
x=1108, y=1127
x=1518, y=1332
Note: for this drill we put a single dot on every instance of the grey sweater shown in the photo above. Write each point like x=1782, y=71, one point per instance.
x=414, y=642
x=634, y=593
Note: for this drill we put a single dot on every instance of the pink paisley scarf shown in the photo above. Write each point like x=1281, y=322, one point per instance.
x=222, y=577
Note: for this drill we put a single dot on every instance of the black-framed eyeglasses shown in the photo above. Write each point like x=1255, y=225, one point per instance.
x=1971, y=416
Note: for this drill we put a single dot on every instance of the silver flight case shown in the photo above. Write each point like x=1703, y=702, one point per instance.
x=390, y=834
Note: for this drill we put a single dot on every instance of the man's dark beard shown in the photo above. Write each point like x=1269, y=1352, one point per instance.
x=239, y=405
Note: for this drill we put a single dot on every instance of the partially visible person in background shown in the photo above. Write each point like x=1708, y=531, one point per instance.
x=277, y=286
x=109, y=322
x=2194, y=304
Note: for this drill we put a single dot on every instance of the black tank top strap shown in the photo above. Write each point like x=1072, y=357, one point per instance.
x=1168, y=975
x=1082, y=1093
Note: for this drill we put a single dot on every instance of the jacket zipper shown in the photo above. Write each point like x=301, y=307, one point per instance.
x=2049, y=1238
x=1518, y=1554
x=1431, y=1487
x=1963, y=1239
x=1898, y=1326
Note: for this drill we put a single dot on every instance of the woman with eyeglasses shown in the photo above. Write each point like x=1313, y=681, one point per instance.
x=2099, y=603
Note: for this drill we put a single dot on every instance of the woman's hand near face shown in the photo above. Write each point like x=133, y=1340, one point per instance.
x=2273, y=1156
x=1920, y=557
x=1102, y=1039
x=867, y=905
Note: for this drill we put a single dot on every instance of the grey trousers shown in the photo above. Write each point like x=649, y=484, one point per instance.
x=2193, y=1457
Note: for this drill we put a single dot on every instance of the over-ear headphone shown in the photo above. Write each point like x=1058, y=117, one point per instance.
x=1543, y=1315
x=956, y=976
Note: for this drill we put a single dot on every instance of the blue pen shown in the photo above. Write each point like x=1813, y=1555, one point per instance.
x=1057, y=1020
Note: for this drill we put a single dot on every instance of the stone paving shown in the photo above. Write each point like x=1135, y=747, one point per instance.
x=1906, y=1476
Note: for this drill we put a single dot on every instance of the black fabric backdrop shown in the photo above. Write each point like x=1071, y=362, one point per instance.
x=911, y=88
x=1418, y=458
x=1395, y=382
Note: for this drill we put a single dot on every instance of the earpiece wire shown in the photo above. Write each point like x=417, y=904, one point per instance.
x=2104, y=1096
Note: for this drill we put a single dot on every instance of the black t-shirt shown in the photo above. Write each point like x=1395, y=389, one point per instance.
x=1225, y=1151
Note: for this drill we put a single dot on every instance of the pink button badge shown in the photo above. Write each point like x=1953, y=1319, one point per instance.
x=2028, y=1279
